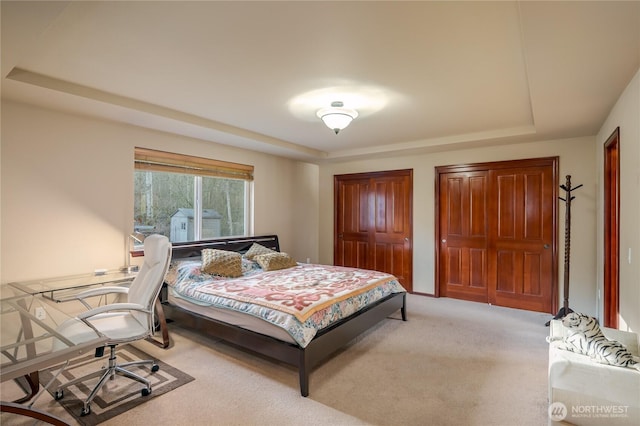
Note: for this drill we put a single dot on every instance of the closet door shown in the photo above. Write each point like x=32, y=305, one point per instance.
x=352, y=222
x=496, y=227
x=463, y=232
x=521, y=260
x=373, y=228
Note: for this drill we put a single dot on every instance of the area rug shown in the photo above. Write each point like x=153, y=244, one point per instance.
x=116, y=396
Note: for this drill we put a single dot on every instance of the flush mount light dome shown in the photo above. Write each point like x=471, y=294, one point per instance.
x=337, y=117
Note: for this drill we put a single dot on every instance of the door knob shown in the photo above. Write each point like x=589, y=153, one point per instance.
x=444, y=241
x=546, y=246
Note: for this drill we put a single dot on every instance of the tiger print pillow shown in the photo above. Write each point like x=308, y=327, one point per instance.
x=585, y=337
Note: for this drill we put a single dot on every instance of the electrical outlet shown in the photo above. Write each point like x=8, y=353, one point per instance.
x=41, y=314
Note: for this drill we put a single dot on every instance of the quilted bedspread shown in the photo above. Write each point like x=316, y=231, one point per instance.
x=302, y=300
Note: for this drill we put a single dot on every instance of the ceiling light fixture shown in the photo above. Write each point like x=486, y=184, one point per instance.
x=337, y=117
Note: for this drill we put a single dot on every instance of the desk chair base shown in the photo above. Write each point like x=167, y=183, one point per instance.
x=109, y=373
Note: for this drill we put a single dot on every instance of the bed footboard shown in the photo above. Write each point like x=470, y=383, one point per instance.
x=339, y=335
x=305, y=359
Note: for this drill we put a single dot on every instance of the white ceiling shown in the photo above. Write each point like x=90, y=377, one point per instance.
x=423, y=75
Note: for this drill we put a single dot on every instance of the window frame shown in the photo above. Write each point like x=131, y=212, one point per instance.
x=146, y=159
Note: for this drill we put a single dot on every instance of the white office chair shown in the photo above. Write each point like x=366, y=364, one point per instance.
x=121, y=322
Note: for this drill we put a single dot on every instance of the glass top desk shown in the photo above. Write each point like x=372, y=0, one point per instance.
x=29, y=343
x=28, y=325
x=62, y=289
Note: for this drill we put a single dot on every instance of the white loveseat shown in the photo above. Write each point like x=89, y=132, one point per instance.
x=593, y=393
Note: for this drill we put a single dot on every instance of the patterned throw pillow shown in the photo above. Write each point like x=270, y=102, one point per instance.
x=222, y=262
x=257, y=249
x=274, y=261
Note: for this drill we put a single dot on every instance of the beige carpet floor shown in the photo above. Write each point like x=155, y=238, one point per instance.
x=452, y=363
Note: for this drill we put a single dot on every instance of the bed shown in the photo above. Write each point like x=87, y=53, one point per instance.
x=256, y=312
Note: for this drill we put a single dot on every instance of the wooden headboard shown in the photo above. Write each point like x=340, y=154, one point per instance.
x=239, y=244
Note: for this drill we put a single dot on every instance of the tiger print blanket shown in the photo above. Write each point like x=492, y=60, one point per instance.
x=585, y=337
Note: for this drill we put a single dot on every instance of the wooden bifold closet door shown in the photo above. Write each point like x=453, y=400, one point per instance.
x=373, y=223
x=496, y=230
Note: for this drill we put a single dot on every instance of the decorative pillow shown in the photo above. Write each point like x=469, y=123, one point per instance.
x=222, y=262
x=274, y=261
x=257, y=249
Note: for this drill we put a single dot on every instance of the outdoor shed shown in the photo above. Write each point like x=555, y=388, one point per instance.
x=182, y=224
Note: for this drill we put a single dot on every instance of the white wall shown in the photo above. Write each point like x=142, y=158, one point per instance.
x=67, y=192
x=626, y=115
x=576, y=158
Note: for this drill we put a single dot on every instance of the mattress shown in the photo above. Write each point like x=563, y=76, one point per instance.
x=248, y=322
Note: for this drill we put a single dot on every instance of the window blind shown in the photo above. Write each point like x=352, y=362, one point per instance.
x=161, y=161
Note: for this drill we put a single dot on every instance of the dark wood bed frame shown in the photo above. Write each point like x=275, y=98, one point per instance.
x=325, y=343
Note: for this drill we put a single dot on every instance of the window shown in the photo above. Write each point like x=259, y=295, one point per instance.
x=190, y=198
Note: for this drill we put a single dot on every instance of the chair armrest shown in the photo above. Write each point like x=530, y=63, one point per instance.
x=100, y=291
x=112, y=307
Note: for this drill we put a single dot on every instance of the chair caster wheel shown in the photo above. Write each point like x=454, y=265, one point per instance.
x=58, y=395
x=146, y=392
x=155, y=368
x=85, y=411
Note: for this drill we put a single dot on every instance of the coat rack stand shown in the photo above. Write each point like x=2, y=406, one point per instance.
x=565, y=310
